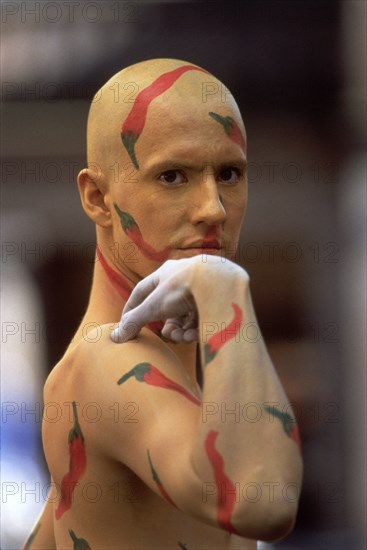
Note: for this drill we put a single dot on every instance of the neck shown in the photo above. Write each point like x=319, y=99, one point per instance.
x=110, y=292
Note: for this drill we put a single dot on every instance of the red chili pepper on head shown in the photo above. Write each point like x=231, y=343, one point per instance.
x=155, y=476
x=132, y=230
x=77, y=466
x=226, y=489
x=288, y=422
x=135, y=120
x=145, y=372
x=218, y=340
x=79, y=544
x=231, y=128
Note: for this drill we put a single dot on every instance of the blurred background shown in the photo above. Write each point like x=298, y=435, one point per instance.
x=298, y=71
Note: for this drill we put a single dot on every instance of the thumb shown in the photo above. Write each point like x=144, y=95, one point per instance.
x=133, y=320
x=126, y=330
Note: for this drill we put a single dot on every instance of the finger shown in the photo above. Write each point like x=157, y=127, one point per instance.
x=179, y=335
x=128, y=329
x=132, y=321
x=123, y=332
x=175, y=330
x=191, y=335
x=140, y=292
x=170, y=326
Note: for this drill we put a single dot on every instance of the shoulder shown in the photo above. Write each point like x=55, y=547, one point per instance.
x=138, y=391
x=96, y=351
x=95, y=360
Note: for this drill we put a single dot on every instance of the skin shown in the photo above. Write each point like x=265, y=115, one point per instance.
x=149, y=454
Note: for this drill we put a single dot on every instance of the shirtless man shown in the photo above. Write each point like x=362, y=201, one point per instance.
x=141, y=457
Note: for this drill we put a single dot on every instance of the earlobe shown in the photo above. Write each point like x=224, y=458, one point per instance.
x=93, y=191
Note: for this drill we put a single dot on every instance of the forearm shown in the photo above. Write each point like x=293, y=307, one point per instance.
x=245, y=420
x=42, y=535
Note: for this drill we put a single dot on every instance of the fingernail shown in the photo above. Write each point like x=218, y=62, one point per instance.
x=119, y=334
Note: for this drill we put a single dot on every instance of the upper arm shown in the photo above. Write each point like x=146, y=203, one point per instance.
x=156, y=413
x=167, y=430
x=42, y=535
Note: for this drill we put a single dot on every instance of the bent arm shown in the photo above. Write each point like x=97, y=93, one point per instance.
x=238, y=458
x=247, y=450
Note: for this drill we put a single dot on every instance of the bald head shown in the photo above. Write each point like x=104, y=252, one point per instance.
x=121, y=108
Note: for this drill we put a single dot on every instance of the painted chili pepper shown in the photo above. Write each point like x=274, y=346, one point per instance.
x=288, y=422
x=231, y=128
x=226, y=489
x=123, y=287
x=145, y=372
x=132, y=230
x=77, y=466
x=155, y=477
x=218, y=340
x=79, y=544
x=32, y=536
x=135, y=120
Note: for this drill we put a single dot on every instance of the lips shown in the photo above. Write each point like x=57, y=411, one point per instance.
x=211, y=240
x=211, y=243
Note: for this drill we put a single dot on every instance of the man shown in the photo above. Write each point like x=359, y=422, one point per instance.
x=141, y=457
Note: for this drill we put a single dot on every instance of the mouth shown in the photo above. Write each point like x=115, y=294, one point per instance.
x=211, y=243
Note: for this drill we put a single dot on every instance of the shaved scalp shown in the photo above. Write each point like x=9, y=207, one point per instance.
x=119, y=109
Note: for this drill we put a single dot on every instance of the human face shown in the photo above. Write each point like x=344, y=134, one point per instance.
x=189, y=195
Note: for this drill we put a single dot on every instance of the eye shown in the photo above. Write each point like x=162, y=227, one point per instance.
x=230, y=176
x=172, y=177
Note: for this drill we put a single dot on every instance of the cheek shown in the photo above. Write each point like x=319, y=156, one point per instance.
x=235, y=207
x=164, y=216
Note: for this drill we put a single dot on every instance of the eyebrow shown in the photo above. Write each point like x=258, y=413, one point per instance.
x=166, y=165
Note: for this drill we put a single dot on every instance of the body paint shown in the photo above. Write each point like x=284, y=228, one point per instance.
x=218, y=340
x=288, y=422
x=123, y=287
x=212, y=237
x=226, y=489
x=155, y=477
x=135, y=120
x=79, y=544
x=145, y=372
x=77, y=466
x=32, y=536
x=132, y=230
x=231, y=128
x=118, y=282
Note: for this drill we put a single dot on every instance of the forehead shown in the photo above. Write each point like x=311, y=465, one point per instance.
x=181, y=129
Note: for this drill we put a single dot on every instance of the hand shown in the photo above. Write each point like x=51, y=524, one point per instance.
x=163, y=295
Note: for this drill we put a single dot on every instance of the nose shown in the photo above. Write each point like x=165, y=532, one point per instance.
x=207, y=205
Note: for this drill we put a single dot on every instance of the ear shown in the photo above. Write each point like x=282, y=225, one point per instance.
x=93, y=190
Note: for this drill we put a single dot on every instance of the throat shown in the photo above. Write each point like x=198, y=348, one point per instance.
x=121, y=286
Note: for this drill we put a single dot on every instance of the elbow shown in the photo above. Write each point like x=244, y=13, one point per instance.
x=269, y=523
x=276, y=528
